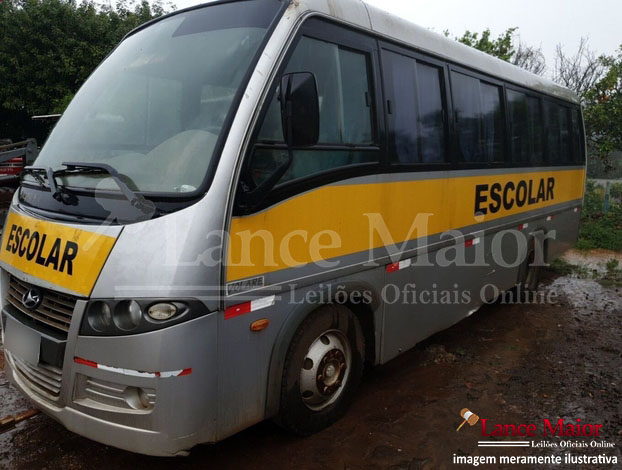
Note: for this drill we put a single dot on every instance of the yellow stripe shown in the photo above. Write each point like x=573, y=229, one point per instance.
x=342, y=209
x=65, y=256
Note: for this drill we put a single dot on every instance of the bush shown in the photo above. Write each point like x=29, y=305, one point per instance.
x=600, y=229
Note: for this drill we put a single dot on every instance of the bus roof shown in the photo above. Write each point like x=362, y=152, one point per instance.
x=398, y=29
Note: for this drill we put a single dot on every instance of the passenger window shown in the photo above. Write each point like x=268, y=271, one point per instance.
x=525, y=127
x=431, y=113
x=468, y=110
x=480, y=124
x=534, y=120
x=416, y=110
x=346, y=115
x=493, y=122
x=403, y=113
x=577, y=140
x=564, y=132
x=519, y=126
x=553, y=132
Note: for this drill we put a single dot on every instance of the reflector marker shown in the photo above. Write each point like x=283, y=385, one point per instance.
x=132, y=373
x=472, y=241
x=251, y=306
x=549, y=218
x=391, y=268
x=523, y=226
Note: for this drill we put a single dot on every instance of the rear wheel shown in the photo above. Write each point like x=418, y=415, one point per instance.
x=323, y=368
x=531, y=276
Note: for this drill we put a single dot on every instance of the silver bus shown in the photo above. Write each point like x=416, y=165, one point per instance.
x=250, y=201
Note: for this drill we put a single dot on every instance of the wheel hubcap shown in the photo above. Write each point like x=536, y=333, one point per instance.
x=325, y=370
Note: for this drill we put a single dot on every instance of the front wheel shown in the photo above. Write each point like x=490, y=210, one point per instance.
x=322, y=371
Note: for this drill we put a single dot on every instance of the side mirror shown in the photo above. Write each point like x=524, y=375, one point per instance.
x=300, y=109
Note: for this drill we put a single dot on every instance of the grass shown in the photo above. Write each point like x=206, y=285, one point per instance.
x=600, y=229
x=564, y=268
x=611, y=277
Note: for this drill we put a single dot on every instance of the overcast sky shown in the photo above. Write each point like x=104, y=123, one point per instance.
x=543, y=23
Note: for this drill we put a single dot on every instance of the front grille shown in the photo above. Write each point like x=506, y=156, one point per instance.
x=55, y=311
x=44, y=379
x=88, y=390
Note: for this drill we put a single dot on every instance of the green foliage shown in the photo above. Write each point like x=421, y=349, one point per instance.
x=600, y=229
x=49, y=47
x=616, y=191
x=612, y=264
x=603, y=110
x=502, y=47
x=564, y=268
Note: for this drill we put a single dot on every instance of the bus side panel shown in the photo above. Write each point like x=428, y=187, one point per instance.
x=562, y=234
x=422, y=300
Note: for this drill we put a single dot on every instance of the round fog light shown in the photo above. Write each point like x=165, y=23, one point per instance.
x=99, y=316
x=127, y=315
x=162, y=311
x=136, y=398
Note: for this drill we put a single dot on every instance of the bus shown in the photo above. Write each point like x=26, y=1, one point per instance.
x=248, y=202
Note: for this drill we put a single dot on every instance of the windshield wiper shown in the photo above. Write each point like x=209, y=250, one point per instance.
x=57, y=192
x=136, y=200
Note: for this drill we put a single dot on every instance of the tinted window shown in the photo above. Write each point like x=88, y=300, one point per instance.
x=346, y=114
x=534, y=122
x=416, y=110
x=552, y=132
x=577, y=140
x=480, y=123
x=564, y=135
x=493, y=122
x=519, y=126
x=431, y=122
x=468, y=110
x=525, y=127
x=559, y=133
x=403, y=112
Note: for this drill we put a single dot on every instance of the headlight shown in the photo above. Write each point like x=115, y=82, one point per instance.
x=120, y=317
x=162, y=311
x=99, y=316
x=127, y=315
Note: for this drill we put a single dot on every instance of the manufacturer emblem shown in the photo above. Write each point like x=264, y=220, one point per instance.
x=32, y=298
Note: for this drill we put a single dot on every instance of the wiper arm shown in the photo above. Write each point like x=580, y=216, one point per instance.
x=54, y=188
x=136, y=200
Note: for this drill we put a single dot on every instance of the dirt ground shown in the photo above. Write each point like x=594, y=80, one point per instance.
x=507, y=363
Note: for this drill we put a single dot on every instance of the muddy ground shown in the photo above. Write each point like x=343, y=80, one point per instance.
x=507, y=363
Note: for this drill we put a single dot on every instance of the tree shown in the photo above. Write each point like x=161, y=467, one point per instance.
x=501, y=47
x=579, y=72
x=603, y=109
x=504, y=47
x=529, y=58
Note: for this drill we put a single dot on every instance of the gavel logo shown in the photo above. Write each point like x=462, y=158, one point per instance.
x=469, y=417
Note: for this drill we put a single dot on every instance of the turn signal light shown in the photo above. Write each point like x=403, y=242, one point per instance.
x=260, y=324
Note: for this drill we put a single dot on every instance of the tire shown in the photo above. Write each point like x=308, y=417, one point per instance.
x=327, y=351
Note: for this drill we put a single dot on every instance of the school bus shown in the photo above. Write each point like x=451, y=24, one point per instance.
x=248, y=201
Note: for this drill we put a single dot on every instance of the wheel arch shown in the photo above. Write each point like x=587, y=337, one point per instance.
x=364, y=312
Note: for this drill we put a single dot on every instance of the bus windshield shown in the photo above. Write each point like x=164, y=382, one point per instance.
x=155, y=108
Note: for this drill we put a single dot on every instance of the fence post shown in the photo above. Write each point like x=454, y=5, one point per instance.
x=607, y=196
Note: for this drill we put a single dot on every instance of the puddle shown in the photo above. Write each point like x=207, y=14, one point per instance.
x=587, y=296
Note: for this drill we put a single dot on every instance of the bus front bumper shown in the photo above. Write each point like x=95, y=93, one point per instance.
x=103, y=399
